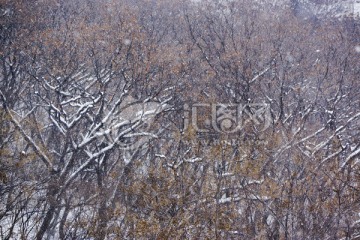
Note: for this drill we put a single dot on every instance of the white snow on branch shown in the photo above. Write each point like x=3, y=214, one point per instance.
x=259, y=75
x=29, y=140
x=350, y=157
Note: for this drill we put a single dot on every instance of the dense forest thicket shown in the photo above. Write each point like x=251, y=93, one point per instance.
x=177, y=120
